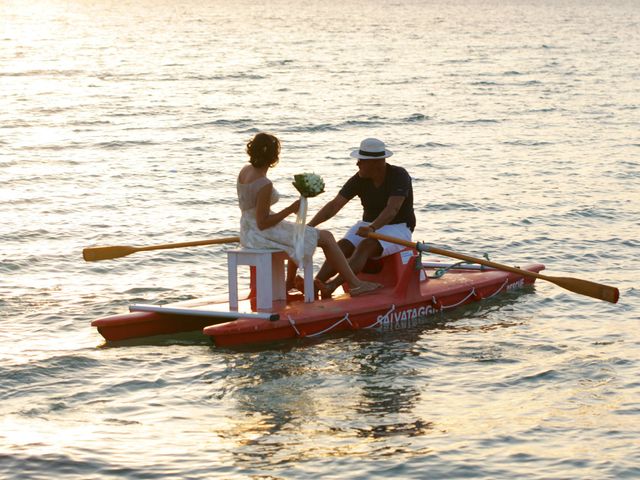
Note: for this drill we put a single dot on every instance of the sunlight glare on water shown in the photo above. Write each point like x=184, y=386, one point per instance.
x=125, y=123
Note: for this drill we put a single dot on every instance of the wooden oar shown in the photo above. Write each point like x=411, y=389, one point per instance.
x=92, y=254
x=576, y=285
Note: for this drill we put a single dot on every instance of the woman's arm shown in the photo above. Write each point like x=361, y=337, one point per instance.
x=266, y=219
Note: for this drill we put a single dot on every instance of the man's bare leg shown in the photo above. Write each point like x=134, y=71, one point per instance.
x=292, y=269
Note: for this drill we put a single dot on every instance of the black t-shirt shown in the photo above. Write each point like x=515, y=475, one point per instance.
x=397, y=182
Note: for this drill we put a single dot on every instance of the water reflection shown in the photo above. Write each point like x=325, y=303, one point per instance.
x=272, y=399
x=340, y=398
x=389, y=392
x=347, y=394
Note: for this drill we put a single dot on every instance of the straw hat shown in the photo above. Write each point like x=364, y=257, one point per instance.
x=371, y=149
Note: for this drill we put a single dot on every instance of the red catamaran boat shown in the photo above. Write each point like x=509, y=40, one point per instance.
x=411, y=290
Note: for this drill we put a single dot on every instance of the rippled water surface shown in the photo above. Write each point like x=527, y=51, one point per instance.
x=124, y=123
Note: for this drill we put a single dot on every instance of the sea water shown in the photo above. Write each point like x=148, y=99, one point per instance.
x=125, y=123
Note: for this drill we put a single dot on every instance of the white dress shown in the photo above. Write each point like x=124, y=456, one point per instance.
x=281, y=235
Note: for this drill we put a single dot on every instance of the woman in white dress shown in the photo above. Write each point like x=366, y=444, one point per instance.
x=262, y=228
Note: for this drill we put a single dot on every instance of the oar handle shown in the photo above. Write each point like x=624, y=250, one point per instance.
x=94, y=254
x=424, y=247
x=197, y=243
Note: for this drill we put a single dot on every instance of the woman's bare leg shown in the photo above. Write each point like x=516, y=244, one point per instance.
x=339, y=262
x=327, y=271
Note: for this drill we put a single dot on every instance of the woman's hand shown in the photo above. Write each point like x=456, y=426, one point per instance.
x=295, y=206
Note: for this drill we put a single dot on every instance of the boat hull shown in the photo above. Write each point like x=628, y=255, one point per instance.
x=381, y=310
x=407, y=295
x=146, y=324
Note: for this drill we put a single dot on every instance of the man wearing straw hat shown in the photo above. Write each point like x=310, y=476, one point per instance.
x=386, y=195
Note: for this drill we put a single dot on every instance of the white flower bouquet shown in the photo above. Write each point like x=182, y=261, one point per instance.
x=308, y=184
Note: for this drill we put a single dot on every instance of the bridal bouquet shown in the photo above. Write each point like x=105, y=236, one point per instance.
x=308, y=184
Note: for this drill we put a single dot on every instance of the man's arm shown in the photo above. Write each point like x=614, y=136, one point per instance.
x=390, y=211
x=328, y=211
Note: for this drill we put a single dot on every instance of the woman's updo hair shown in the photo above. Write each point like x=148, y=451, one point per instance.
x=263, y=150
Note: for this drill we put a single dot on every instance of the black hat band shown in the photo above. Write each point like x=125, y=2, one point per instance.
x=371, y=154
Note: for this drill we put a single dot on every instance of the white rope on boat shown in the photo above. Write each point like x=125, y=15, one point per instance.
x=345, y=318
x=471, y=294
x=382, y=317
x=498, y=291
x=293, y=324
x=386, y=316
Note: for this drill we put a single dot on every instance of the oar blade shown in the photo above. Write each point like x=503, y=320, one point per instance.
x=94, y=254
x=585, y=287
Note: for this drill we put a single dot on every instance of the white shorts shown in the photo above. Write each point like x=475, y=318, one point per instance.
x=398, y=230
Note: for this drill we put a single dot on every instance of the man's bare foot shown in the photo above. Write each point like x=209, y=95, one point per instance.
x=364, y=288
